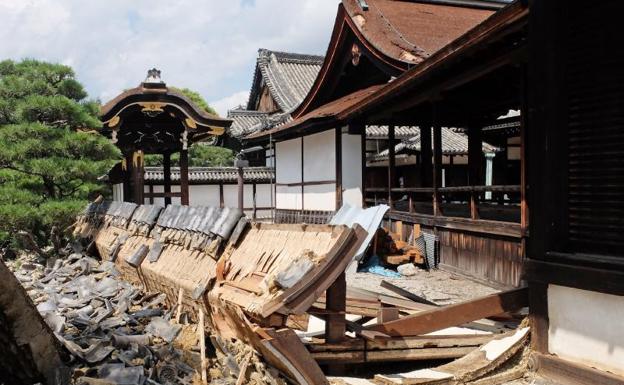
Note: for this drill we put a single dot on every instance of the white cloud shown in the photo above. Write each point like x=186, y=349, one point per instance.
x=230, y=102
x=206, y=45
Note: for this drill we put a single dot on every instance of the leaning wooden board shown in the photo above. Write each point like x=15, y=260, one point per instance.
x=251, y=271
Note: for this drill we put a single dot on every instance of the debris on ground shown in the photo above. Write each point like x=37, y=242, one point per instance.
x=191, y=295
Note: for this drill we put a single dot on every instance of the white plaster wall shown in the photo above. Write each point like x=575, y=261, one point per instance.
x=204, y=195
x=352, y=170
x=269, y=157
x=118, y=194
x=319, y=156
x=208, y=195
x=288, y=197
x=161, y=201
x=586, y=327
x=320, y=197
x=230, y=195
x=263, y=195
x=288, y=166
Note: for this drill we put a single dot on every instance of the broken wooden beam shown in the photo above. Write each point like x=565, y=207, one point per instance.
x=457, y=314
x=360, y=357
x=407, y=294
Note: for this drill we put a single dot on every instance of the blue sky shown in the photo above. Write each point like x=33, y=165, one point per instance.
x=206, y=45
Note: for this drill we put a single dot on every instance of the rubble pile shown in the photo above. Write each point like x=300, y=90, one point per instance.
x=167, y=278
x=118, y=334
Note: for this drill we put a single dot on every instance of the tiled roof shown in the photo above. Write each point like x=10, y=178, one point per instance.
x=453, y=143
x=411, y=31
x=244, y=121
x=400, y=132
x=288, y=76
x=212, y=174
x=325, y=113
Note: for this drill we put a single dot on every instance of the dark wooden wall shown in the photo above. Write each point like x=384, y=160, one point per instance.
x=494, y=260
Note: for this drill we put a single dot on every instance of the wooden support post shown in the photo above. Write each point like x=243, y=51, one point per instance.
x=138, y=177
x=302, y=175
x=391, y=164
x=202, y=346
x=335, y=322
x=241, y=189
x=184, y=177
x=437, y=168
x=426, y=155
x=336, y=305
x=221, y=198
x=363, y=145
x=338, y=168
x=179, y=309
x=524, y=206
x=475, y=166
x=255, y=202
x=167, y=176
x=127, y=176
x=151, y=194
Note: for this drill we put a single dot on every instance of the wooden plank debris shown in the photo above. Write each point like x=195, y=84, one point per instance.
x=404, y=293
x=473, y=366
x=457, y=314
x=202, y=346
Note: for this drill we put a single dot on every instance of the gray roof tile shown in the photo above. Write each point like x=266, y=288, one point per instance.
x=453, y=143
x=212, y=175
x=289, y=77
x=244, y=121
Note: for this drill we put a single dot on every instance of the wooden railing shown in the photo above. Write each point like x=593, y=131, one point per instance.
x=437, y=196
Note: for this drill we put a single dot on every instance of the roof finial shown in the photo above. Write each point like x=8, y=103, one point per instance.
x=153, y=76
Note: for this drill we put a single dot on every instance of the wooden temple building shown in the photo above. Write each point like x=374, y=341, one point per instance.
x=510, y=117
x=373, y=45
x=539, y=81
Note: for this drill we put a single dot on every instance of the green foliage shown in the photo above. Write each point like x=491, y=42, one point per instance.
x=200, y=155
x=51, y=156
x=197, y=99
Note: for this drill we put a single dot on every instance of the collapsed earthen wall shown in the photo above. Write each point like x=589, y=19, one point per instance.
x=29, y=352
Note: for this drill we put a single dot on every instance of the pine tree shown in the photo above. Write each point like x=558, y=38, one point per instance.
x=50, y=152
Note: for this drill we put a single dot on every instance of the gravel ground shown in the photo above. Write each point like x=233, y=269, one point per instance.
x=437, y=286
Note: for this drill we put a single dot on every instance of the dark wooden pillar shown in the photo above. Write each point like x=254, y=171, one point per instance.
x=302, y=175
x=335, y=323
x=338, y=168
x=138, y=177
x=437, y=167
x=524, y=206
x=221, y=197
x=391, y=164
x=167, y=177
x=363, y=145
x=127, y=178
x=151, y=194
x=241, y=189
x=255, y=202
x=475, y=166
x=426, y=154
x=184, y=177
